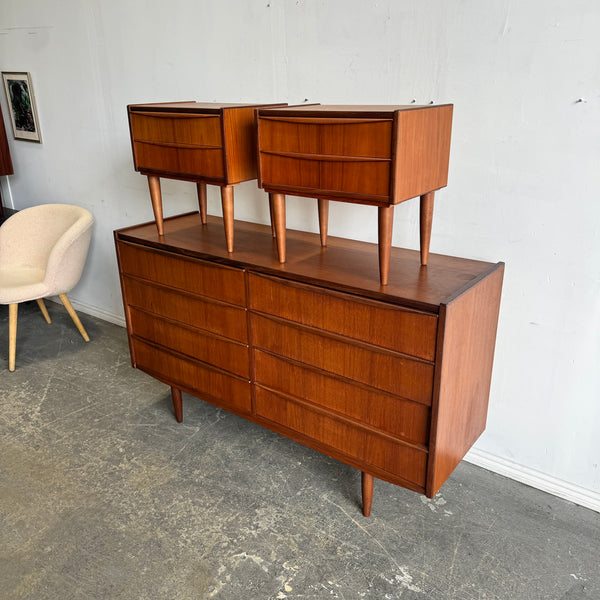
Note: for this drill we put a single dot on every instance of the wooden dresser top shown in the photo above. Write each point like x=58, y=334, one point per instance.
x=344, y=265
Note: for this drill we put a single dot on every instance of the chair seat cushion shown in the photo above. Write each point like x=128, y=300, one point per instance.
x=21, y=284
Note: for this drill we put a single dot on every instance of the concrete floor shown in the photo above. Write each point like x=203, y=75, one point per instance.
x=104, y=495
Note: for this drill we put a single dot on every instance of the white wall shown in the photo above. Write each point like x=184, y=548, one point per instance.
x=524, y=172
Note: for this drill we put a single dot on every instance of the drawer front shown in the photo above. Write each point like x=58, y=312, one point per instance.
x=177, y=128
x=192, y=275
x=197, y=344
x=394, y=457
x=342, y=137
x=190, y=161
x=222, y=319
x=359, y=179
x=393, y=415
x=411, y=379
x=206, y=382
x=385, y=325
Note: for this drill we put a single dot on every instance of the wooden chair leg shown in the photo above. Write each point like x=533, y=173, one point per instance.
x=40, y=303
x=12, y=335
x=73, y=315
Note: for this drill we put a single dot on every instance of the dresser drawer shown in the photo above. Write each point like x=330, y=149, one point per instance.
x=385, y=325
x=189, y=160
x=191, y=275
x=195, y=343
x=204, y=381
x=329, y=136
x=179, y=128
x=406, y=377
x=393, y=415
x=216, y=317
x=354, y=441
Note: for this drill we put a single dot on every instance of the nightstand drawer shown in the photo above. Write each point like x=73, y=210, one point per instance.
x=216, y=317
x=344, y=136
x=189, y=160
x=206, y=382
x=367, y=179
x=176, y=128
x=384, y=370
x=351, y=440
x=385, y=325
x=390, y=414
x=191, y=275
x=201, y=345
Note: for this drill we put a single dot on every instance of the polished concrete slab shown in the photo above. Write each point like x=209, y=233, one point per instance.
x=104, y=495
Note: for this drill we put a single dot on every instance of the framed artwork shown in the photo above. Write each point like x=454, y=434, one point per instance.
x=21, y=106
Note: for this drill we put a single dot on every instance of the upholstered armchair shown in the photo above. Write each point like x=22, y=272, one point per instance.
x=42, y=253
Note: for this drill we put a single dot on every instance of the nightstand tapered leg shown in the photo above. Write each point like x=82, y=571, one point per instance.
x=426, y=221
x=272, y=216
x=156, y=197
x=323, y=219
x=227, y=204
x=386, y=225
x=201, y=187
x=177, y=404
x=367, y=493
x=279, y=218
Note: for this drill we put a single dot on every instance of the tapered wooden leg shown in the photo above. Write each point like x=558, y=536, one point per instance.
x=272, y=215
x=156, y=197
x=201, y=187
x=177, y=404
x=323, y=219
x=40, y=303
x=367, y=493
x=74, y=317
x=13, y=309
x=426, y=220
x=386, y=226
x=279, y=217
x=227, y=204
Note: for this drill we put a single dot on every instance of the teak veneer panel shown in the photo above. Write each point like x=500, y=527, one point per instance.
x=195, y=276
x=386, y=412
x=195, y=343
x=384, y=453
x=203, y=313
x=392, y=373
x=393, y=380
x=195, y=377
x=378, y=323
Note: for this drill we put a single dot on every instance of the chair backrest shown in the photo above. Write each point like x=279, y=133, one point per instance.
x=53, y=237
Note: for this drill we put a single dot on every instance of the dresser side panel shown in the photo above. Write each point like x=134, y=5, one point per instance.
x=466, y=343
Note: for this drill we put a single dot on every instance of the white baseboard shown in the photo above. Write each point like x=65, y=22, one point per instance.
x=95, y=311
x=546, y=483
x=557, y=487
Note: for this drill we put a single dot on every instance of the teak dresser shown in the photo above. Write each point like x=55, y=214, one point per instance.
x=392, y=380
x=203, y=142
x=377, y=155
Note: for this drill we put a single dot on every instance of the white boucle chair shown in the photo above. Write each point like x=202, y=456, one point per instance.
x=42, y=253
